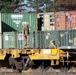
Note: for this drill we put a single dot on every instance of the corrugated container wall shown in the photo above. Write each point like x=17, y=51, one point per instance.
x=0, y=32
x=9, y=40
x=65, y=20
x=59, y=18
x=16, y=21
x=73, y=20
x=70, y=20
x=40, y=39
x=67, y=38
x=16, y=40
x=20, y=40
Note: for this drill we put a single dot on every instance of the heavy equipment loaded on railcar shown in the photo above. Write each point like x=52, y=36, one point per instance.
x=20, y=59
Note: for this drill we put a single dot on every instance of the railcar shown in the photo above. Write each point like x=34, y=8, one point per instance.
x=22, y=59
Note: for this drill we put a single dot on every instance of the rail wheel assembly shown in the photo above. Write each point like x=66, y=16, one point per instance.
x=18, y=66
x=15, y=65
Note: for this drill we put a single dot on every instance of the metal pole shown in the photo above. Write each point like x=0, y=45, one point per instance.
x=67, y=59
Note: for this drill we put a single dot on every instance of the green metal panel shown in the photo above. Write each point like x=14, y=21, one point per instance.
x=20, y=41
x=67, y=37
x=16, y=21
x=61, y=37
x=9, y=40
x=74, y=37
x=32, y=40
x=51, y=35
x=40, y=39
x=70, y=37
x=43, y=38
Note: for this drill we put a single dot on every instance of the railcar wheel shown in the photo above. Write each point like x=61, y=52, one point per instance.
x=16, y=66
x=13, y=68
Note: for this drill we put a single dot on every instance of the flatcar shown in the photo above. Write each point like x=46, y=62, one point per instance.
x=22, y=59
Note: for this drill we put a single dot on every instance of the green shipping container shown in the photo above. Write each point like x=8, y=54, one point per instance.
x=40, y=39
x=15, y=22
x=9, y=40
x=61, y=37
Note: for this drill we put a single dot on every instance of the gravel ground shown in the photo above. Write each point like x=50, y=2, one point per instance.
x=5, y=71
x=35, y=73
